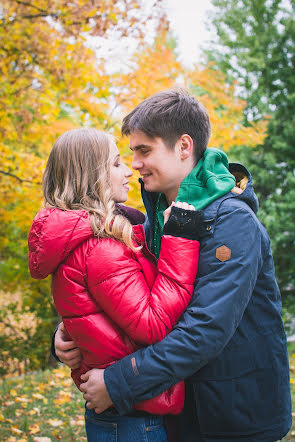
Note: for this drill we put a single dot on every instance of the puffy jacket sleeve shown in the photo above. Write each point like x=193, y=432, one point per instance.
x=221, y=296
x=144, y=307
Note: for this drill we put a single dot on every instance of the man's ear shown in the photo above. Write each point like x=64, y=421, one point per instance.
x=186, y=146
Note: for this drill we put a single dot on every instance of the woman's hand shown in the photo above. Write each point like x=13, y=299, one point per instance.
x=179, y=204
x=66, y=350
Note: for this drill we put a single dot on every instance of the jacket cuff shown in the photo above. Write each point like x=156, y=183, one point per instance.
x=184, y=223
x=53, y=347
x=118, y=388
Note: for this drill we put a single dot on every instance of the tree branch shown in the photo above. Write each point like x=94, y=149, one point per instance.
x=21, y=180
x=30, y=5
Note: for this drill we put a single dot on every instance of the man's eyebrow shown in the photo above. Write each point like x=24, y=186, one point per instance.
x=140, y=146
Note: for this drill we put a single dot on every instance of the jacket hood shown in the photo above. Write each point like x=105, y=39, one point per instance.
x=245, y=183
x=208, y=181
x=56, y=233
x=53, y=236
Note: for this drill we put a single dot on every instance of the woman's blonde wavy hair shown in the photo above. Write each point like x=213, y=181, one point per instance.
x=77, y=177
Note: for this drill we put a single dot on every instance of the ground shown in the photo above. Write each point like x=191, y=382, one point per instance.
x=46, y=406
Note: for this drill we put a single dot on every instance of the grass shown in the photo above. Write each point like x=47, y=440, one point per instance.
x=41, y=407
x=291, y=348
x=46, y=406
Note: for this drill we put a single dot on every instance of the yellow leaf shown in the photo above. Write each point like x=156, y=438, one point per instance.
x=13, y=392
x=22, y=399
x=16, y=430
x=55, y=422
x=56, y=434
x=78, y=420
x=35, y=428
x=37, y=396
x=41, y=439
x=63, y=398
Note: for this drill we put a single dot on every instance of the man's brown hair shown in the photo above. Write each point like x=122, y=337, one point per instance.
x=168, y=115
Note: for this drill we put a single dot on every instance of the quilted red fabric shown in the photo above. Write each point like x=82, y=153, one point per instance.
x=111, y=299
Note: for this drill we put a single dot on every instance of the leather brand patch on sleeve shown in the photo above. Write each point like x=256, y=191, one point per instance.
x=223, y=253
x=134, y=367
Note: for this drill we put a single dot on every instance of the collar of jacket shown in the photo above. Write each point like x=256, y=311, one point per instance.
x=248, y=196
x=208, y=181
x=134, y=216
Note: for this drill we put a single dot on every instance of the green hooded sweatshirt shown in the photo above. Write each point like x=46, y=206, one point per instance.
x=209, y=180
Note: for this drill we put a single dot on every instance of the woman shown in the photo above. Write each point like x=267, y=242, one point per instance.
x=105, y=282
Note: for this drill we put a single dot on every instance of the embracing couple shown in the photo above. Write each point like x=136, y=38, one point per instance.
x=171, y=322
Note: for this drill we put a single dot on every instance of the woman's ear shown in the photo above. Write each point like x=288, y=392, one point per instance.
x=186, y=146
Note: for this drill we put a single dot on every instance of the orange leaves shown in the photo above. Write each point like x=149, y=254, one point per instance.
x=62, y=398
x=35, y=428
x=225, y=109
x=156, y=68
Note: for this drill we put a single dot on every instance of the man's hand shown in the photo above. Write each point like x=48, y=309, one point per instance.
x=66, y=351
x=96, y=394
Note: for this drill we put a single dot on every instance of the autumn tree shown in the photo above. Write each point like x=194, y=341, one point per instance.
x=51, y=81
x=156, y=67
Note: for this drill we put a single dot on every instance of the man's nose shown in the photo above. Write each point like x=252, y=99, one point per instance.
x=136, y=163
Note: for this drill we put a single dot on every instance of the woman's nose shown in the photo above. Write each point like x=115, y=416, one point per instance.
x=128, y=172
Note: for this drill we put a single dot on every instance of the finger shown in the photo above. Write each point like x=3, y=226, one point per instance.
x=85, y=376
x=68, y=356
x=65, y=345
x=75, y=353
x=74, y=364
x=181, y=204
x=97, y=410
x=61, y=327
x=89, y=405
x=83, y=386
x=74, y=367
x=167, y=214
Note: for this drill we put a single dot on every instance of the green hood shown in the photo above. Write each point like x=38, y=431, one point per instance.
x=209, y=180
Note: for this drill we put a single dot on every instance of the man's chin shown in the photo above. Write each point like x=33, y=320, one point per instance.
x=149, y=187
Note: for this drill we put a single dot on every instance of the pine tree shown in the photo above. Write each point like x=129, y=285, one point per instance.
x=256, y=47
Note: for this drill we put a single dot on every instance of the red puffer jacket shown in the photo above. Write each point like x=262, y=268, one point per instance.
x=111, y=299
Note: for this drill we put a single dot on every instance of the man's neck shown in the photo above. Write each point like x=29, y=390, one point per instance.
x=171, y=196
x=172, y=193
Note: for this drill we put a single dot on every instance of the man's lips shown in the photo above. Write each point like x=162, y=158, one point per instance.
x=145, y=175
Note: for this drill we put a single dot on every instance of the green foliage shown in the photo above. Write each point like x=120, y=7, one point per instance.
x=256, y=41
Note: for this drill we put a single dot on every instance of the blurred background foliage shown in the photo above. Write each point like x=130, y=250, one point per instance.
x=51, y=80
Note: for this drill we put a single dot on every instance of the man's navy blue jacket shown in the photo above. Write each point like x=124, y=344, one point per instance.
x=230, y=343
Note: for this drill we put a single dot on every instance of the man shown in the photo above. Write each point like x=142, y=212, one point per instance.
x=230, y=344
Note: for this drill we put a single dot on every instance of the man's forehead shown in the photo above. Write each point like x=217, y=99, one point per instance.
x=139, y=140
